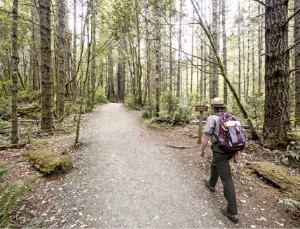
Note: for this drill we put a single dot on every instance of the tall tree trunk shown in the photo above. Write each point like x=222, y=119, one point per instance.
x=248, y=52
x=61, y=49
x=14, y=75
x=35, y=54
x=47, y=83
x=171, y=50
x=74, y=56
x=110, y=81
x=215, y=28
x=239, y=50
x=260, y=47
x=276, y=118
x=139, y=64
x=93, y=61
x=148, y=73
x=121, y=71
x=297, y=64
x=192, y=58
x=178, y=89
x=158, y=56
x=83, y=93
x=224, y=47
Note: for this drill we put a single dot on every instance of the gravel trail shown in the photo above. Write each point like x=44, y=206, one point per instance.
x=126, y=177
x=133, y=179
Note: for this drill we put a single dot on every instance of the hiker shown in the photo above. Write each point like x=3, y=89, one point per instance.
x=220, y=162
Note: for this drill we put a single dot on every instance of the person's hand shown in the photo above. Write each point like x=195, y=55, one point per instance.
x=202, y=153
x=238, y=154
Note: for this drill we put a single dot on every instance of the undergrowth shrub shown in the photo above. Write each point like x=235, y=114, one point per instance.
x=130, y=101
x=5, y=105
x=10, y=194
x=100, y=96
x=28, y=96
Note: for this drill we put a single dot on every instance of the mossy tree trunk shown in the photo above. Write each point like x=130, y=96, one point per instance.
x=61, y=49
x=47, y=82
x=14, y=75
x=276, y=115
x=224, y=38
x=178, y=88
x=158, y=68
x=93, y=61
x=297, y=63
x=214, y=79
x=121, y=71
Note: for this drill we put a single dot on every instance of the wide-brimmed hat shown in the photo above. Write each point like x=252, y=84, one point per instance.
x=217, y=102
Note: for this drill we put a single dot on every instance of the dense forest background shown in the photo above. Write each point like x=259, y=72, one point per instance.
x=60, y=58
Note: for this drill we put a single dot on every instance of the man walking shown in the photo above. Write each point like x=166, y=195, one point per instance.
x=220, y=162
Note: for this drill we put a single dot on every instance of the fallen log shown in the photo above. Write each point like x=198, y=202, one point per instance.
x=277, y=176
x=13, y=146
x=179, y=147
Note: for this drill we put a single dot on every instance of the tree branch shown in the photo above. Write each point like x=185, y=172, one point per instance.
x=292, y=16
x=293, y=46
x=294, y=70
x=261, y=2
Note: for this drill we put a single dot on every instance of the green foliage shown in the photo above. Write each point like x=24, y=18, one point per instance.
x=28, y=96
x=10, y=195
x=183, y=113
x=254, y=105
x=130, y=101
x=175, y=112
x=100, y=96
x=169, y=103
x=70, y=107
x=5, y=105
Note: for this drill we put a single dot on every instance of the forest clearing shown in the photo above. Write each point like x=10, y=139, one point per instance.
x=100, y=119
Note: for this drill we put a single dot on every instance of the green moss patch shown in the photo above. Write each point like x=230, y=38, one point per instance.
x=278, y=176
x=50, y=163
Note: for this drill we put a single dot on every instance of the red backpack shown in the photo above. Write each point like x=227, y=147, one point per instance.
x=232, y=135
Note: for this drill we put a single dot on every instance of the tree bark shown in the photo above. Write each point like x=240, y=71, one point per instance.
x=93, y=61
x=297, y=63
x=224, y=47
x=121, y=72
x=276, y=117
x=178, y=89
x=138, y=58
x=14, y=75
x=158, y=56
x=260, y=47
x=47, y=83
x=74, y=55
x=215, y=36
x=148, y=73
x=110, y=84
x=239, y=49
x=35, y=54
x=61, y=49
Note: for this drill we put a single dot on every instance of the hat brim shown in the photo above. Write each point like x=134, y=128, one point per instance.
x=218, y=105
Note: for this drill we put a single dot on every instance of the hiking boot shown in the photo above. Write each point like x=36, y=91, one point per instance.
x=212, y=189
x=233, y=218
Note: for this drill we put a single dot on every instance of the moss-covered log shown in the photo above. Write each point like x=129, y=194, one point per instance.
x=278, y=176
x=50, y=163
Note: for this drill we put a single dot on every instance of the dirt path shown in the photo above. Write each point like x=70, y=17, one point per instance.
x=127, y=177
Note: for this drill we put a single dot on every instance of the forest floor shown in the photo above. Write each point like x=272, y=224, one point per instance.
x=129, y=175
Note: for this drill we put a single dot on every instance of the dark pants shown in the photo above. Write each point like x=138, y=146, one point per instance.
x=220, y=167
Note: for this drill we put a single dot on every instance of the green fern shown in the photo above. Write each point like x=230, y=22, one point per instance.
x=10, y=195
